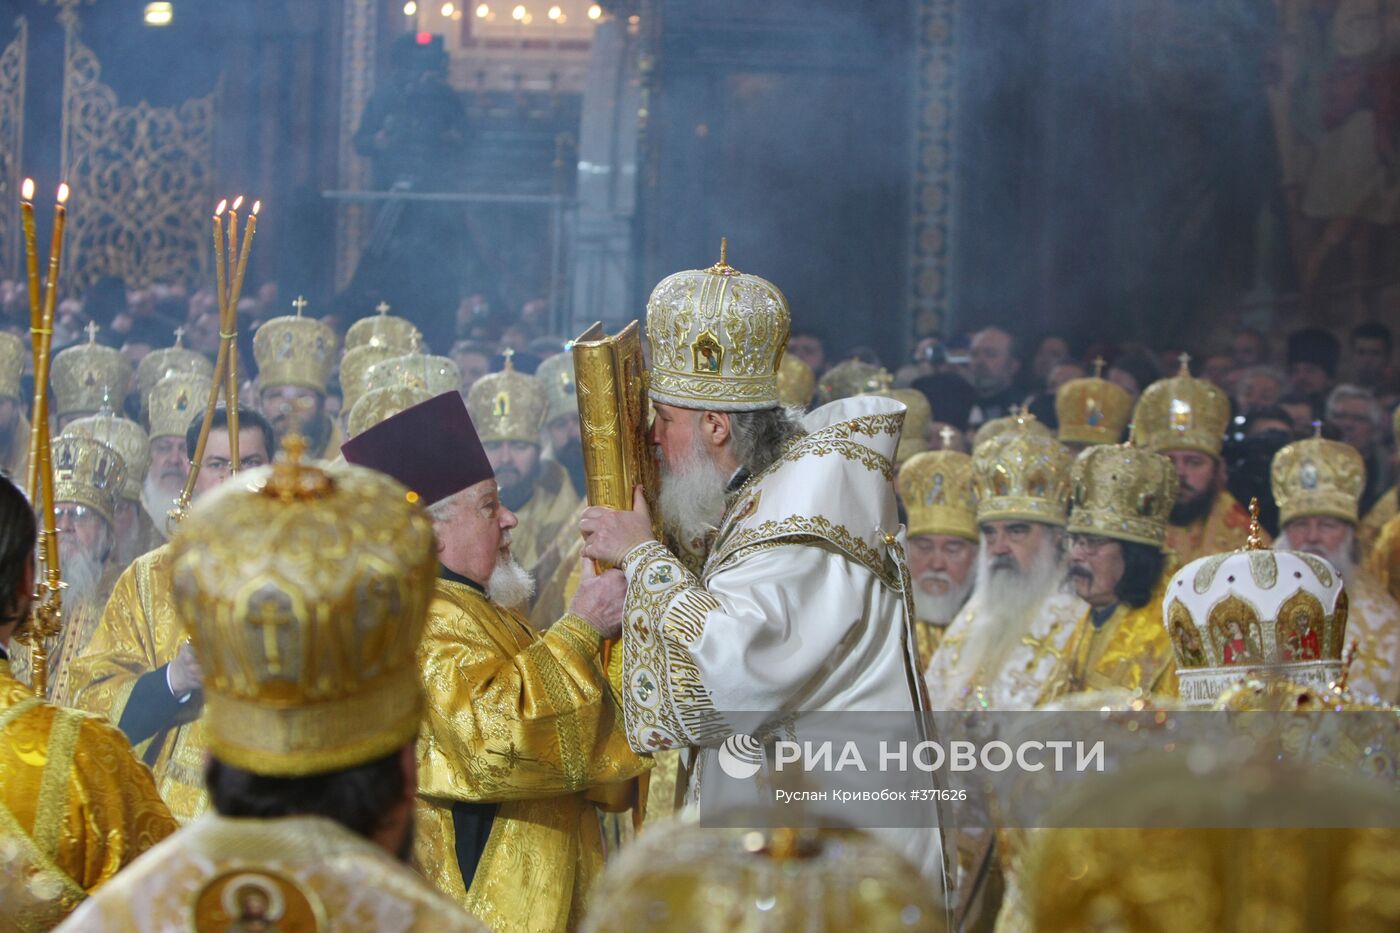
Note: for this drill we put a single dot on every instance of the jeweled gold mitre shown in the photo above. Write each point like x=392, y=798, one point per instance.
x=125, y=437
x=383, y=330
x=88, y=375
x=852, y=377
x=306, y=588
x=158, y=364
x=1019, y=421
x=436, y=374
x=294, y=351
x=1318, y=477
x=377, y=405
x=1122, y=492
x=936, y=489
x=557, y=374
x=716, y=337
x=174, y=401
x=1182, y=413
x=1092, y=411
x=796, y=382
x=508, y=406
x=1021, y=475
x=12, y=355
x=353, y=367
x=87, y=472
x=1255, y=612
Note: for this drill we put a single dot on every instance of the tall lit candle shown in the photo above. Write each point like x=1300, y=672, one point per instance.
x=232, y=260
x=219, y=255
x=31, y=252
x=235, y=293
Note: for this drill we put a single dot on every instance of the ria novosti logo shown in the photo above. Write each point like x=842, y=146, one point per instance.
x=741, y=756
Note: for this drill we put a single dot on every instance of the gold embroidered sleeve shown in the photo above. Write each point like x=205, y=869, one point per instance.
x=513, y=724
x=121, y=650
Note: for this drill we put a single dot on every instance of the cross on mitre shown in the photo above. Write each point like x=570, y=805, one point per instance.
x=299, y=304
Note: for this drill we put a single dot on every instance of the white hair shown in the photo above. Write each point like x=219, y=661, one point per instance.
x=511, y=584
x=1346, y=392
x=692, y=497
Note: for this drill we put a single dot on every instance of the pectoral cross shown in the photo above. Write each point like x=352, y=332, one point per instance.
x=299, y=304
x=382, y=307
x=270, y=617
x=92, y=330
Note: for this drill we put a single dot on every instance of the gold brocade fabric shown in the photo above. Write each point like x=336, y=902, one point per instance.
x=296, y=874
x=1373, y=623
x=80, y=621
x=525, y=720
x=1369, y=531
x=75, y=806
x=1224, y=529
x=927, y=637
x=139, y=633
x=1385, y=557
x=548, y=514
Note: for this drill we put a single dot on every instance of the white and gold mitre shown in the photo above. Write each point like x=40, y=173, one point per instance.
x=716, y=337
x=702, y=879
x=87, y=376
x=436, y=374
x=852, y=377
x=1018, y=420
x=1021, y=475
x=158, y=364
x=87, y=472
x=1122, y=492
x=306, y=588
x=1182, y=413
x=557, y=374
x=12, y=356
x=508, y=406
x=378, y=405
x=383, y=330
x=1318, y=477
x=125, y=437
x=294, y=351
x=936, y=489
x=174, y=401
x=1255, y=612
x=796, y=382
x=1092, y=410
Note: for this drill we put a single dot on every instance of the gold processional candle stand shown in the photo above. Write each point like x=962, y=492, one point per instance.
x=230, y=264
x=611, y=382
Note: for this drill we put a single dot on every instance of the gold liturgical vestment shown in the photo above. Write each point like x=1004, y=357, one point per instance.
x=1225, y=528
x=519, y=724
x=16, y=465
x=75, y=806
x=544, y=516
x=290, y=874
x=140, y=634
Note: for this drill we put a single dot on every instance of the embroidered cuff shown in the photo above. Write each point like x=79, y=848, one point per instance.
x=579, y=633
x=641, y=554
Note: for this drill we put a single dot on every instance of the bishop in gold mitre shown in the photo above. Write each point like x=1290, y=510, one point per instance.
x=520, y=724
x=133, y=532
x=1184, y=419
x=1120, y=497
x=14, y=426
x=138, y=669
x=88, y=376
x=1091, y=411
x=509, y=410
x=294, y=356
x=305, y=587
x=75, y=804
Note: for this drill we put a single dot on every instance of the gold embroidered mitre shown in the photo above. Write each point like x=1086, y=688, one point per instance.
x=158, y=364
x=1092, y=411
x=779, y=879
x=125, y=437
x=508, y=406
x=918, y=418
x=294, y=351
x=378, y=404
x=1022, y=421
x=88, y=375
x=12, y=356
x=383, y=330
x=796, y=382
x=716, y=337
x=306, y=588
x=1182, y=413
x=936, y=489
x=1021, y=476
x=174, y=402
x=1251, y=612
x=436, y=374
x=87, y=472
x=852, y=377
x=1318, y=477
x=557, y=374
x=355, y=365
x=1122, y=492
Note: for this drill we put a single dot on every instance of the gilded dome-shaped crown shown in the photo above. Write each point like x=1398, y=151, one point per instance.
x=796, y=382
x=852, y=377
x=294, y=351
x=1255, y=610
x=716, y=337
x=12, y=355
x=557, y=374
x=87, y=472
x=125, y=437
x=436, y=374
x=1092, y=410
x=1318, y=477
x=383, y=330
x=1122, y=492
x=306, y=587
x=87, y=376
x=936, y=489
x=918, y=418
x=376, y=405
x=354, y=367
x=1021, y=475
x=1182, y=413
x=1018, y=420
x=174, y=402
x=508, y=406
x=158, y=364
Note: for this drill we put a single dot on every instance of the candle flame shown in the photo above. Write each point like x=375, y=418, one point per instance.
x=238, y=202
x=62, y=192
x=256, y=206
x=26, y=190
x=218, y=211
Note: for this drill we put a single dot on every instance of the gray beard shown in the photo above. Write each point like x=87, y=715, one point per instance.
x=510, y=585
x=82, y=572
x=692, y=499
x=1003, y=601
x=1340, y=558
x=157, y=504
x=940, y=609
